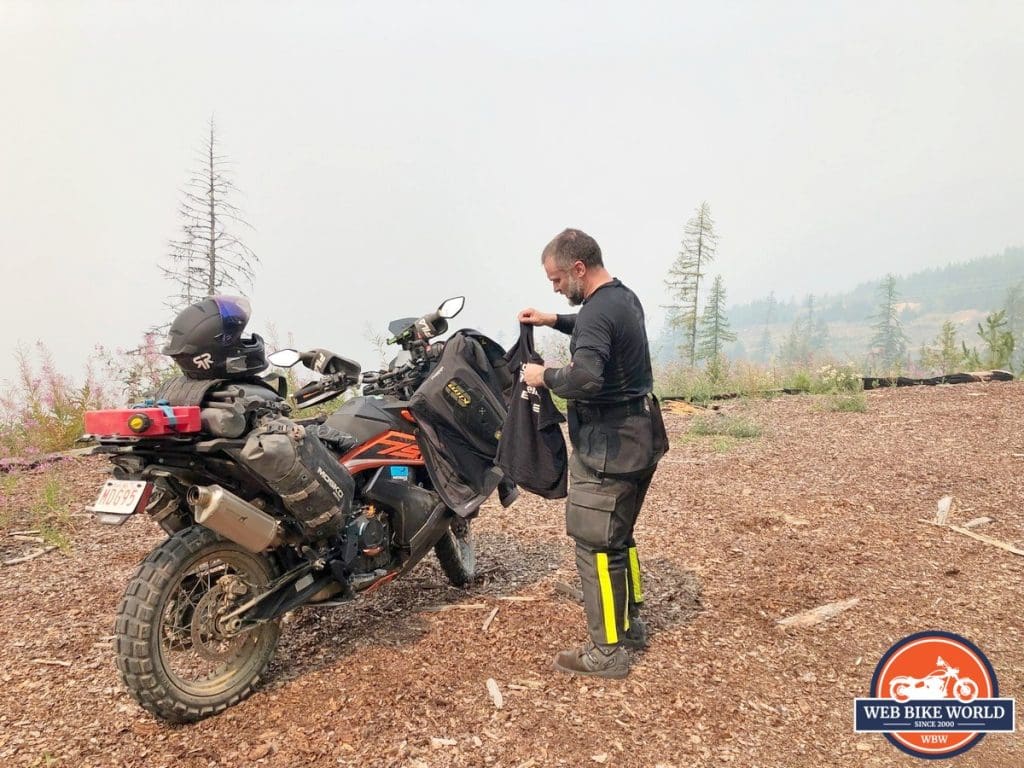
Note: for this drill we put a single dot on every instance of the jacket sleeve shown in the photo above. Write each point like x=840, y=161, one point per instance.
x=583, y=377
x=565, y=323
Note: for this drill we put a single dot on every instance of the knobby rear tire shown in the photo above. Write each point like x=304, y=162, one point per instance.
x=144, y=644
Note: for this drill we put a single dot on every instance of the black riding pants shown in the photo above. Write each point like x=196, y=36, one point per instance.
x=600, y=515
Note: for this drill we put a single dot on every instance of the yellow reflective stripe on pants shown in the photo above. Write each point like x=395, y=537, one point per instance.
x=611, y=631
x=634, y=570
x=625, y=604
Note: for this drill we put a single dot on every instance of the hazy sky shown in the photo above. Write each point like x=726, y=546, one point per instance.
x=393, y=154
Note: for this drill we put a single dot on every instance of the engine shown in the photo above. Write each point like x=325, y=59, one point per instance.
x=367, y=540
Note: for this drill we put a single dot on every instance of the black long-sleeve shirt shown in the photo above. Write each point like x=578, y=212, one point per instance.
x=611, y=359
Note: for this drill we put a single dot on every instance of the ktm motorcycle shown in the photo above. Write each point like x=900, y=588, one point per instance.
x=200, y=619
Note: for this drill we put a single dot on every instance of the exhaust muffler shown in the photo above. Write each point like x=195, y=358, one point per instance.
x=234, y=518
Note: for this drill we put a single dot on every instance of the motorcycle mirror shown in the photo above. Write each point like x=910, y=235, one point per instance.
x=284, y=358
x=451, y=307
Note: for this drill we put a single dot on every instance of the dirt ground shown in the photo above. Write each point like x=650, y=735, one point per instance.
x=736, y=534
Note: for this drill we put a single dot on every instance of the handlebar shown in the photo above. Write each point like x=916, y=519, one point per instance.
x=325, y=388
x=402, y=381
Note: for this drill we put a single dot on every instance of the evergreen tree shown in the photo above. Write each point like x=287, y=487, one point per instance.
x=889, y=342
x=945, y=353
x=714, y=330
x=998, y=340
x=1014, y=306
x=808, y=336
x=210, y=256
x=685, y=274
x=765, y=346
x=815, y=329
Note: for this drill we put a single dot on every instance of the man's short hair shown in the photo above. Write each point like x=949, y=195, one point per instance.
x=570, y=246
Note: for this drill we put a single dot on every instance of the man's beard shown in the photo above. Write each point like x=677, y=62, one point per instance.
x=574, y=291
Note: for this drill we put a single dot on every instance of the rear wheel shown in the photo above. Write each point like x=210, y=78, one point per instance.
x=456, y=554
x=176, y=654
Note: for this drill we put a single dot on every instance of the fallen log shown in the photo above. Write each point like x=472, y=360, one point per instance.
x=877, y=382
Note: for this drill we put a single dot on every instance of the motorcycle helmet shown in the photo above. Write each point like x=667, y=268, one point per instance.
x=205, y=340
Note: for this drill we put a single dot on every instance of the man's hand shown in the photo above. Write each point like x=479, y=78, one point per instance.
x=531, y=316
x=533, y=374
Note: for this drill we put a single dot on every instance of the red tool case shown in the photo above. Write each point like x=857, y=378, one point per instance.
x=146, y=422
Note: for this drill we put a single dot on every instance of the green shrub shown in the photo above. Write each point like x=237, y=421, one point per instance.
x=850, y=402
x=837, y=379
x=42, y=410
x=51, y=515
x=799, y=379
x=728, y=426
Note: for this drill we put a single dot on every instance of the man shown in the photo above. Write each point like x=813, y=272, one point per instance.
x=617, y=435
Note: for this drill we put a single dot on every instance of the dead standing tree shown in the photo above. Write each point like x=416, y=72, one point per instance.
x=209, y=257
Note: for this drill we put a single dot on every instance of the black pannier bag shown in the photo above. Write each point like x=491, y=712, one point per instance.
x=460, y=410
x=532, y=447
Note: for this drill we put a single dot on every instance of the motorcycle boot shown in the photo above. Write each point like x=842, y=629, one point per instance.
x=594, y=661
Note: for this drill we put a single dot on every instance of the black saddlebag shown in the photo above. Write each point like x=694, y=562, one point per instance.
x=311, y=483
x=460, y=409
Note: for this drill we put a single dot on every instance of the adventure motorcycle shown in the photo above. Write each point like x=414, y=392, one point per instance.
x=199, y=621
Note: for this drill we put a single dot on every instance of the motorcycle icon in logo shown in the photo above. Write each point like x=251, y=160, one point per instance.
x=943, y=683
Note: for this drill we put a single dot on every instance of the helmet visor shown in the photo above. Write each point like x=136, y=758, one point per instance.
x=234, y=314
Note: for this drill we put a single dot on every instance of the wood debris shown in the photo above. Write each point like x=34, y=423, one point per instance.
x=454, y=607
x=30, y=556
x=943, y=510
x=489, y=619
x=990, y=540
x=569, y=591
x=495, y=692
x=817, y=615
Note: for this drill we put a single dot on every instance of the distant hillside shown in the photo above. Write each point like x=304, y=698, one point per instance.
x=963, y=292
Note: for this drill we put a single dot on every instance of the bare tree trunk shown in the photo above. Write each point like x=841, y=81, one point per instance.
x=212, y=277
x=696, y=287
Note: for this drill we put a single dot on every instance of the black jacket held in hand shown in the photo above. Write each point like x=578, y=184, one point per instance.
x=532, y=448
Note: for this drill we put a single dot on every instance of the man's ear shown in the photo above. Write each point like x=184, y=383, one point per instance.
x=579, y=268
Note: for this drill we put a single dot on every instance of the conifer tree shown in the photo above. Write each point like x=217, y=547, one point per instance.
x=714, y=330
x=685, y=274
x=998, y=340
x=765, y=346
x=945, y=353
x=889, y=342
x=1014, y=306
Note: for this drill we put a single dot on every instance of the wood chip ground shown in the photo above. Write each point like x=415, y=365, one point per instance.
x=735, y=535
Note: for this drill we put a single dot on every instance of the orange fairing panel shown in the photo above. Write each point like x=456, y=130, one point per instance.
x=389, y=447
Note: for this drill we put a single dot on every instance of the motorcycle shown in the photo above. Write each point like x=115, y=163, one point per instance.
x=942, y=683
x=200, y=618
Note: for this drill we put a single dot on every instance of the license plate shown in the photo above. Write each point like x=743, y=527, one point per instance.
x=118, y=499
